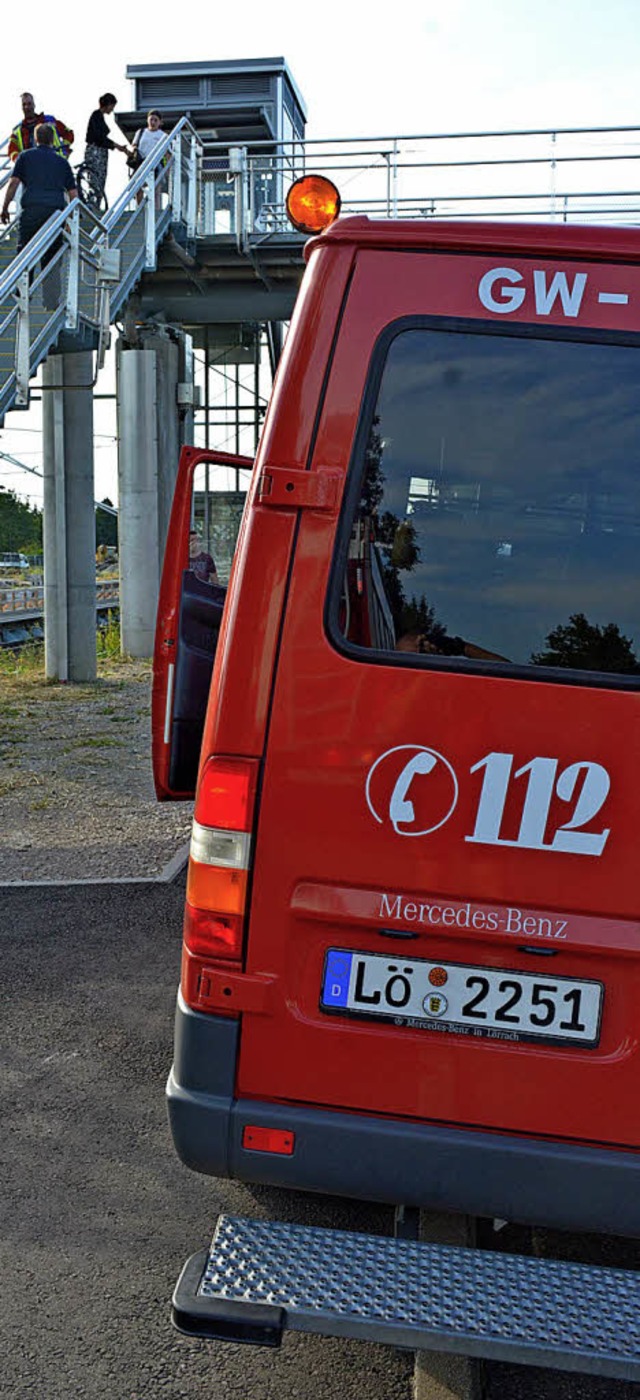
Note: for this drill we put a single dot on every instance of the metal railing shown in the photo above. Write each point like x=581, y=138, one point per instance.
x=78, y=270
x=20, y=600
x=53, y=284
x=6, y=165
x=575, y=173
x=163, y=191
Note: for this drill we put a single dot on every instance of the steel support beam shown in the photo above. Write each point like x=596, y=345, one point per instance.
x=69, y=518
x=226, y=303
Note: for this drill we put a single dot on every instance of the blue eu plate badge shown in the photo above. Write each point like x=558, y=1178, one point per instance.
x=337, y=976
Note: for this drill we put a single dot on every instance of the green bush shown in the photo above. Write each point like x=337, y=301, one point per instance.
x=28, y=661
x=108, y=639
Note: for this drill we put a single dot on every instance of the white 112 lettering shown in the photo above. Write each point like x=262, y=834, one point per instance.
x=543, y=781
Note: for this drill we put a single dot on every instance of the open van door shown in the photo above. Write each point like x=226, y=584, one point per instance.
x=205, y=518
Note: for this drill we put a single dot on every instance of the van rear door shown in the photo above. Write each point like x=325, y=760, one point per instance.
x=443, y=879
x=207, y=508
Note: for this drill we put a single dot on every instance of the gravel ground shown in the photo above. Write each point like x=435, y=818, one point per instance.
x=97, y=1215
x=76, y=792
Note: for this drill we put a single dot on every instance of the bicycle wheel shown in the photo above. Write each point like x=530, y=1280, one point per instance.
x=87, y=192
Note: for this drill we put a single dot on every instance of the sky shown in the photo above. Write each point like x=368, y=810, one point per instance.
x=417, y=68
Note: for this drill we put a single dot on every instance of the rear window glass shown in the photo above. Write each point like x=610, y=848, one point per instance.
x=498, y=518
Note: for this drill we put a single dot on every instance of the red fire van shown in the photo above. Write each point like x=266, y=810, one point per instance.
x=412, y=935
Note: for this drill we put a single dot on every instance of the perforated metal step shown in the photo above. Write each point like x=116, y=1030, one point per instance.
x=259, y=1278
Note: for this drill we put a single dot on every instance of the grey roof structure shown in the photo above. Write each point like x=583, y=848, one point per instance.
x=241, y=101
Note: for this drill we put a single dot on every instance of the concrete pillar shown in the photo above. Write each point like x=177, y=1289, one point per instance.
x=137, y=500
x=69, y=518
x=150, y=435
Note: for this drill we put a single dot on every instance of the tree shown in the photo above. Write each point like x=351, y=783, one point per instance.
x=395, y=537
x=418, y=616
x=106, y=525
x=20, y=525
x=583, y=645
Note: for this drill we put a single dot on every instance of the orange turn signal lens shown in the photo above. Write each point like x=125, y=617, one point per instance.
x=216, y=888
x=313, y=203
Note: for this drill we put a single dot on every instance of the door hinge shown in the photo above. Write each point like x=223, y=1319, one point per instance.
x=317, y=490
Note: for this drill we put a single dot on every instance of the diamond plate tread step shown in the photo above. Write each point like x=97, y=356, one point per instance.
x=261, y=1277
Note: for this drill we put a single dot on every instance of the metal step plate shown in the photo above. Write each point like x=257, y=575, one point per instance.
x=260, y=1277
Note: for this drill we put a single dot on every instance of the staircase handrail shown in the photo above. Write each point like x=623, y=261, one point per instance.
x=141, y=216
x=101, y=259
x=68, y=223
x=85, y=299
x=140, y=178
x=6, y=165
x=43, y=239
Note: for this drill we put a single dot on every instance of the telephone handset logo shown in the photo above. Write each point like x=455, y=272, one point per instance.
x=395, y=788
x=400, y=806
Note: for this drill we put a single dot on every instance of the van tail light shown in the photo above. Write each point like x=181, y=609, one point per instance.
x=219, y=863
x=210, y=935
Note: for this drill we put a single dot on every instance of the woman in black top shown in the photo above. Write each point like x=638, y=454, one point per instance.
x=96, y=154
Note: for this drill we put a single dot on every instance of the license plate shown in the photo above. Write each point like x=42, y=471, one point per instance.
x=477, y=1001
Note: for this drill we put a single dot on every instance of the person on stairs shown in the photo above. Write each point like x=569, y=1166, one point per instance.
x=23, y=135
x=47, y=181
x=99, y=143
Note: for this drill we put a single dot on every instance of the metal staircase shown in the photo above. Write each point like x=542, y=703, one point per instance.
x=64, y=290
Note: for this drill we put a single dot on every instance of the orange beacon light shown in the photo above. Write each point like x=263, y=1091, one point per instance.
x=313, y=202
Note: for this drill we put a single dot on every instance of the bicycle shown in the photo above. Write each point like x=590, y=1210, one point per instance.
x=85, y=184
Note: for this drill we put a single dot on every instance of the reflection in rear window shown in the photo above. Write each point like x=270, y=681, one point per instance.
x=499, y=515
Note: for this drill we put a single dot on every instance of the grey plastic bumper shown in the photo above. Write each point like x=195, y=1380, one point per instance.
x=384, y=1159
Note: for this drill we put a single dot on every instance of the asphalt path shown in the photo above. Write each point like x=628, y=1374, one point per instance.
x=98, y=1215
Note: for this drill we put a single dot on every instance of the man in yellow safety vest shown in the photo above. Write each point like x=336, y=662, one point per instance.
x=22, y=137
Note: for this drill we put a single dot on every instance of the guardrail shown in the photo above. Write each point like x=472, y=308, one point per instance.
x=25, y=601
x=563, y=174
x=84, y=268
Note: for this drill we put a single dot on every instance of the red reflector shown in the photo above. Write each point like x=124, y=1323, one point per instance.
x=269, y=1140
x=226, y=792
x=212, y=935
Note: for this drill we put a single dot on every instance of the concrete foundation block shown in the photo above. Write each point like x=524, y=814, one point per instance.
x=439, y=1375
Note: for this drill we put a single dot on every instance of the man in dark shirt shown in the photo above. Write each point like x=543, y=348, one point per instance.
x=201, y=563
x=47, y=181
x=99, y=143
